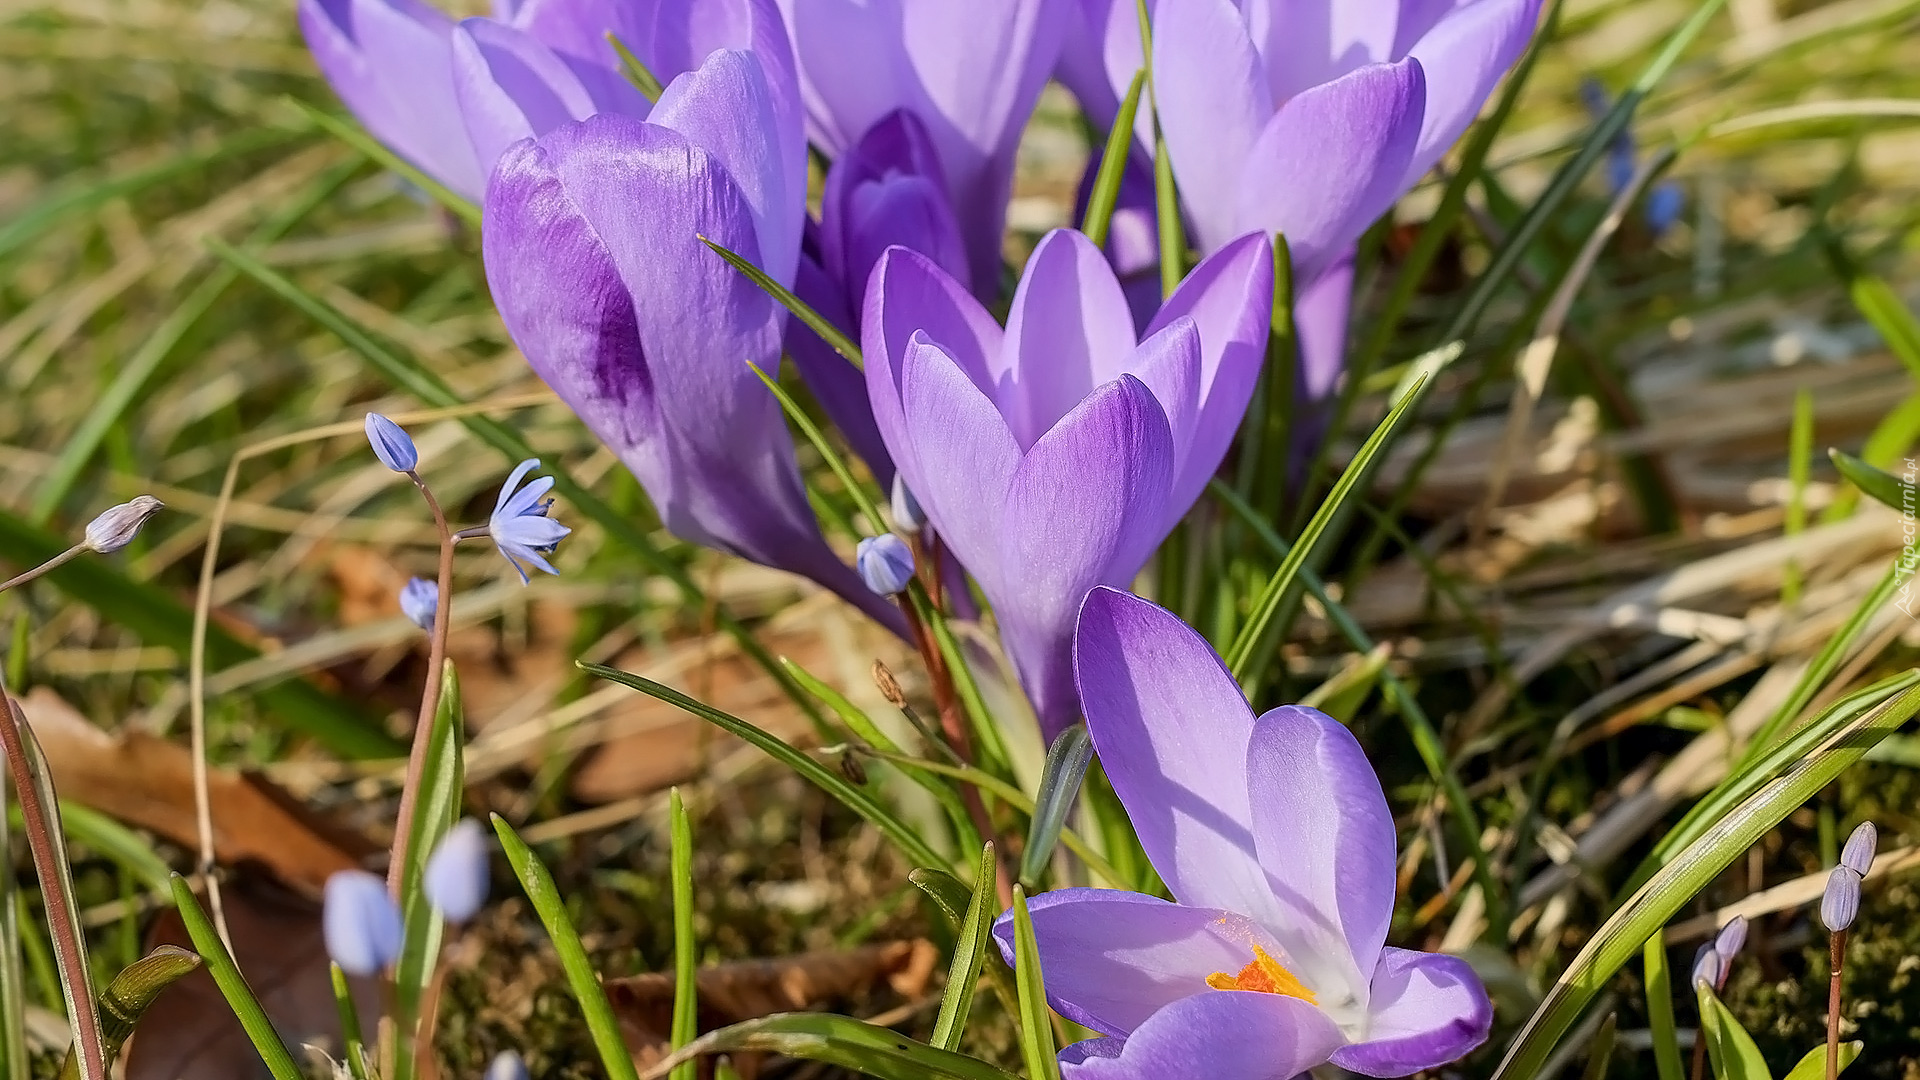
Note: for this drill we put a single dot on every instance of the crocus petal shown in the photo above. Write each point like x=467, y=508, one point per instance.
x=391, y=61
x=1084, y=508
x=1305, y=43
x=1168, y=363
x=726, y=108
x=1320, y=325
x=1112, y=959
x=1464, y=55
x=1212, y=97
x=888, y=189
x=1324, y=833
x=836, y=383
x=1229, y=296
x=963, y=458
x=1330, y=161
x=1427, y=1010
x=1219, y=1035
x=1172, y=729
x=1108, y=1047
x=1082, y=67
x=1068, y=331
x=512, y=87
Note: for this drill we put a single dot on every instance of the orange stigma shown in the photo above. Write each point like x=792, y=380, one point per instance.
x=1264, y=976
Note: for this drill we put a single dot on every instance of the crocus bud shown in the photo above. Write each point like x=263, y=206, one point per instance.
x=907, y=515
x=1707, y=966
x=1857, y=856
x=419, y=600
x=1730, y=940
x=1842, y=901
x=456, y=879
x=507, y=1066
x=360, y=923
x=116, y=526
x=885, y=563
x=391, y=444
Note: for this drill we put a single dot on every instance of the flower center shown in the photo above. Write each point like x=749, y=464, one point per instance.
x=1265, y=976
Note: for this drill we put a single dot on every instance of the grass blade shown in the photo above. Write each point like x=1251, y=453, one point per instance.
x=1728, y=1045
x=233, y=985
x=442, y=783
x=585, y=982
x=976, y=927
x=836, y=1040
x=1066, y=766
x=1879, y=485
x=815, y=321
x=686, y=1018
x=1113, y=165
x=1666, y=1036
x=1036, y=1022
x=637, y=73
x=369, y=147
x=1813, y=1065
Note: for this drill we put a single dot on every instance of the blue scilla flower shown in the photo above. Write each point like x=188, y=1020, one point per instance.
x=419, y=600
x=507, y=1066
x=360, y=923
x=1665, y=203
x=885, y=563
x=456, y=879
x=391, y=444
x=520, y=526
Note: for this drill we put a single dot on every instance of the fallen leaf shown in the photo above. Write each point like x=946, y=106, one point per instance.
x=147, y=782
x=746, y=989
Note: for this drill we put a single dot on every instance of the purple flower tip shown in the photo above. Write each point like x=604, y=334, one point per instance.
x=885, y=563
x=520, y=526
x=507, y=1066
x=1731, y=939
x=456, y=879
x=419, y=600
x=360, y=923
x=1842, y=900
x=1708, y=966
x=907, y=515
x=1857, y=856
x=391, y=444
x=116, y=526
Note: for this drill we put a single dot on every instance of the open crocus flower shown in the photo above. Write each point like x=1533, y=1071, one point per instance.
x=1275, y=838
x=971, y=71
x=1056, y=455
x=450, y=97
x=592, y=241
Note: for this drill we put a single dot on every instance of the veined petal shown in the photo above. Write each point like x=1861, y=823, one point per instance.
x=963, y=456
x=391, y=61
x=1111, y=959
x=1218, y=1035
x=1213, y=103
x=1068, y=331
x=888, y=189
x=1427, y=1010
x=512, y=87
x=1464, y=55
x=1172, y=730
x=1332, y=160
x=1084, y=508
x=1305, y=43
x=1229, y=297
x=1320, y=325
x=1168, y=363
x=1325, y=835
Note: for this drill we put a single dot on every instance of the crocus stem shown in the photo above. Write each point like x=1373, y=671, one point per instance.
x=429, y=696
x=46, y=864
x=1838, y=961
x=28, y=575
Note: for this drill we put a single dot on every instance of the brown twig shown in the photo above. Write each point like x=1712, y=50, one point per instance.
x=28, y=575
x=1838, y=961
x=429, y=695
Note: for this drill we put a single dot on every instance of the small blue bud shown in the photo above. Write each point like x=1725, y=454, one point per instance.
x=360, y=923
x=456, y=879
x=907, y=515
x=1707, y=966
x=419, y=601
x=1857, y=856
x=1842, y=901
x=507, y=1066
x=391, y=444
x=885, y=563
x=116, y=526
x=1731, y=939
x=1665, y=203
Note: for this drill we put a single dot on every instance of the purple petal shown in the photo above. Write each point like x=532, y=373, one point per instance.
x=1213, y=104
x=1219, y=1035
x=1091, y=1048
x=1427, y=1010
x=1320, y=324
x=726, y=108
x=1168, y=363
x=1304, y=43
x=1082, y=67
x=962, y=456
x=1172, y=729
x=1085, y=507
x=511, y=87
x=1464, y=55
x=836, y=383
x=888, y=189
x=1324, y=833
x=1331, y=161
x=1229, y=296
x=1112, y=959
x=391, y=61
x=1068, y=331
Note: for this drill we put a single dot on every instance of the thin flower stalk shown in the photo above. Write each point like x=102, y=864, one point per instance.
x=429, y=695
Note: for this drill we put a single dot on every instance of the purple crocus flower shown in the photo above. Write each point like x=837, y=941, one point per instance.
x=592, y=241
x=1056, y=455
x=1275, y=838
x=450, y=97
x=971, y=71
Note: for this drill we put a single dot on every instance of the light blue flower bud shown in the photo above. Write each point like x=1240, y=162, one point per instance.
x=907, y=515
x=391, y=444
x=885, y=563
x=116, y=526
x=507, y=1066
x=360, y=923
x=1708, y=966
x=1842, y=901
x=456, y=879
x=1730, y=940
x=419, y=600
x=1857, y=856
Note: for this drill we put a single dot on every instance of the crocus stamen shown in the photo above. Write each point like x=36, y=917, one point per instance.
x=1264, y=976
